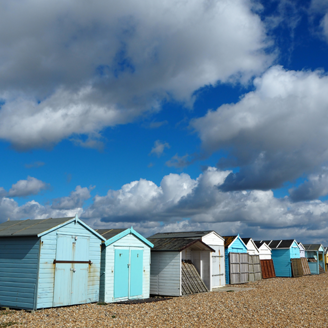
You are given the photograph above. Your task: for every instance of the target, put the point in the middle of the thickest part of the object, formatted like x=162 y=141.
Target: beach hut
x=236 y=260
x=315 y=256
x=125 y=265
x=302 y=250
x=178 y=266
x=266 y=261
x=264 y=250
x=283 y=254
x=216 y=278
x=254 y=267
x=48 y=263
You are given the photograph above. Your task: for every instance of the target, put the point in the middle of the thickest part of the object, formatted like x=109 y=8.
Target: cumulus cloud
x=84 y=68
x=182 y=203
x=159 y=147
x=31 y=210
x=274 y=134
x=23 y=188
x=75 y=200
x=315 y=187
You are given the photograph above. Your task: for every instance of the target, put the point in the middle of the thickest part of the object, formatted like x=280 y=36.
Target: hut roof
x=109 y=233
x=246 y=240
x=228 y=240
x=278 y=244
x=185 y=234
x=36 y=228
x=177 y=244
x=311 y=247
x=18 y=228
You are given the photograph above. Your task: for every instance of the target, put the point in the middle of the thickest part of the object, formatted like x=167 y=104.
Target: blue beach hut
x=125 y=265
x=236 y=260
x=282 y=253
x=315 y=255
x=48 y=263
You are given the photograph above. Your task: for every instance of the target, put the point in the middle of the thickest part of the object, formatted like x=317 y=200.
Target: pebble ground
x=279 y=302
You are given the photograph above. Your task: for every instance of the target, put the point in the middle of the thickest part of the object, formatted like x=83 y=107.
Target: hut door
x=136 y=273
x=71 y=270
x=128 y=273
x=218 y=268
x=121 y=274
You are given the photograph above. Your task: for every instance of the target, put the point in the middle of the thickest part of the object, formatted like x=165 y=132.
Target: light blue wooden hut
x=282 y=253
x=48 y=263
x=236 y=260
x=125 y=265
x=315 y=255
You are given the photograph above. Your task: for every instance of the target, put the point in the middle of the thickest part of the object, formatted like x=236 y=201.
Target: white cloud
x=182 y=203
x=75 y=200
x=31 y=186
x=159 y=147
x=67 y=68
x=275 y=133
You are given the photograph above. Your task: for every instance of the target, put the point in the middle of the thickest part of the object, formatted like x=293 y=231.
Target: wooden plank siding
x=107 y=268
x=297 y=269
x=19 y=258
x=165 y=273
x=47 y=268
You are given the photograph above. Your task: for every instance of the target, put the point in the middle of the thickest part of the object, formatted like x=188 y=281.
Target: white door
x=218 y=269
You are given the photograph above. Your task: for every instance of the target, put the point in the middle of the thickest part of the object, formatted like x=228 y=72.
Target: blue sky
x=167 y=116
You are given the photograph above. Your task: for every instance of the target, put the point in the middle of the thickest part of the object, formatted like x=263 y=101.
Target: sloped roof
x=37 y=228
x=19 y=228
x=246 y=240
x=185 y=234
x=228 y=240
x=258 y=243
x=109 y=233
x=279 y=244
x=112 y=235
x=176 y=244
x=312 y=247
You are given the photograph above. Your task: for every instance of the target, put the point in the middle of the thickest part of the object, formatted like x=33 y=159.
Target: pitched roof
x=177 y=244
x=19 y=228
x=228 y=240
x=37 y=228
x=311 y=247
x=109 y=233
x=258 y=243
x=279 y=244
x=246 y=240
x=186 y=234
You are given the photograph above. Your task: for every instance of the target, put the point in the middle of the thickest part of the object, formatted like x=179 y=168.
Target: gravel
x=279 y=302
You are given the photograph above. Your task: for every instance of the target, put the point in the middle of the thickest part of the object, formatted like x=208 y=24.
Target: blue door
x=136 y=273
x=128 y=273
x=121 y=273
x=71 y=278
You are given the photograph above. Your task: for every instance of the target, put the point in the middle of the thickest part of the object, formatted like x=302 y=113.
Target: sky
x=167 y=115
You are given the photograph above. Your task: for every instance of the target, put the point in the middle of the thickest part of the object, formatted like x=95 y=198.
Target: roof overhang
x=76 y=220
x=125 y=233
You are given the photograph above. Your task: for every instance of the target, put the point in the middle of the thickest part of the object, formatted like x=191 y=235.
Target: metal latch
x=72 y=269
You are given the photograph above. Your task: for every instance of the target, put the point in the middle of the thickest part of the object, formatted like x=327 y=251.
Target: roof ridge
x=31 y=225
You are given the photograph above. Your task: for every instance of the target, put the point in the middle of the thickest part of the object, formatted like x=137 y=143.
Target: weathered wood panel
x=192 y=283
x=267 y=268
x=297 y=268
x=305 y=266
